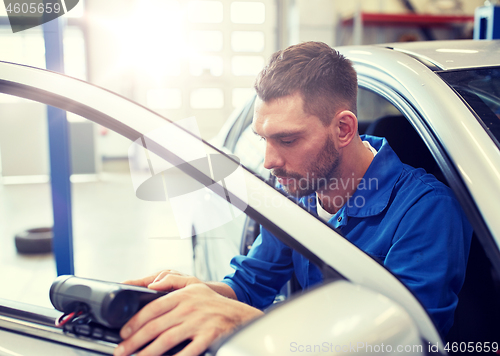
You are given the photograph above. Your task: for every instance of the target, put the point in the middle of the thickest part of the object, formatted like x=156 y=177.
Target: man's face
x=300 y=150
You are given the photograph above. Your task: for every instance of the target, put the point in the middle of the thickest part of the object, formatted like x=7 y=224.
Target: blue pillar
x=60 y=167
x=487 y=23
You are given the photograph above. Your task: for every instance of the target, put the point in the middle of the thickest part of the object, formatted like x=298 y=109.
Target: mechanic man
x=408 y=220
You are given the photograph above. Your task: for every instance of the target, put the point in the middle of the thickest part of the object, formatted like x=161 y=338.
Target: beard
x=322 y=168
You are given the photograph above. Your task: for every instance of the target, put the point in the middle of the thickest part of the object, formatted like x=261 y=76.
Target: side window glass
x=247 y=146
x=371 y=107
x=245 y=118
x=251 y=149
x=378 y=117
x=480 y=88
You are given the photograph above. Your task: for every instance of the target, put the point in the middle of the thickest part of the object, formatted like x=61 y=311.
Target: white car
x=361 y=307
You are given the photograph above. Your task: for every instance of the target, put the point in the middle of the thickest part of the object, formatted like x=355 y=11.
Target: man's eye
x=287 y=142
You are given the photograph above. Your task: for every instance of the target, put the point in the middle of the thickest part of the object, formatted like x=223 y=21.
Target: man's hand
x=154 y=278
x=194 y=310
x=169 y=280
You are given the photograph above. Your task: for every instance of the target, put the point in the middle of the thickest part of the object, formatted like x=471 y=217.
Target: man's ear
x=347 y=126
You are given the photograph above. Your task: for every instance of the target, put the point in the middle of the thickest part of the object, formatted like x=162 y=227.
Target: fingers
x=176 y=335
x=151 y=311
x=146 y=281
x=146 y=325
x=195 y=312
x=167 y=272
x=197 y=346
x=149 y=332
x=171 y=338
x=170 y=281
x=143 y=282
x=166 y=341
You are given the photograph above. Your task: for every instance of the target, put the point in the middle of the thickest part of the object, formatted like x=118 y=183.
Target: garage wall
x=24 y=152
x=23 y=138
x=321 y=19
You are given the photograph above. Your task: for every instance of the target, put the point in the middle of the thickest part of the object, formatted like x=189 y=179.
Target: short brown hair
x=326 y=79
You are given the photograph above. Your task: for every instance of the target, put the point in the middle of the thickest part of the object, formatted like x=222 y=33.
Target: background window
x=206 y=40
x=24 y=48
x=247 y=41
x=207 y=98
x=74 y=53
x=241 y=96
x=247 y=65
x=164 y=98
x=205 y=11
x=206 y=65
x=248 y=12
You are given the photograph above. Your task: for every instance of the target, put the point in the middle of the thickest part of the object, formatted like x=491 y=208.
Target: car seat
x=406 y=142
x=362 y=126
x=478 y=312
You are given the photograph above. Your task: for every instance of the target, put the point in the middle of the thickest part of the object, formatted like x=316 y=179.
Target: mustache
x=284 y=174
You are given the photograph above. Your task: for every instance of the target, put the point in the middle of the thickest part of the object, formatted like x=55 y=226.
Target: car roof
x=449 y=55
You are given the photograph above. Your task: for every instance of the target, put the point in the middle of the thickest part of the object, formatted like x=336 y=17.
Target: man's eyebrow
x=280 y=134
x=283 y=134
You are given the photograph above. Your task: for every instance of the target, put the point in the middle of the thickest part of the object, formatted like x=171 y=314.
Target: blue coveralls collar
x=376 y=186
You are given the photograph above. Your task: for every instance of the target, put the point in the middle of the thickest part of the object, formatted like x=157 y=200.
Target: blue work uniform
x=401 y=216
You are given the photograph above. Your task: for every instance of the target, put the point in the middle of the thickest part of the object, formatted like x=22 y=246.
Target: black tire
x=32 y=241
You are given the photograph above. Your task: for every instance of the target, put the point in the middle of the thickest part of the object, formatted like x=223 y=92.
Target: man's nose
x=272 y=158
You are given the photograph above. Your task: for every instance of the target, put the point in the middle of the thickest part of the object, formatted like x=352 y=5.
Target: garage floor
x=116 y=236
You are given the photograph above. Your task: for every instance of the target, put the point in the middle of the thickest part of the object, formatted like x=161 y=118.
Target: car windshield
x=480 y=88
